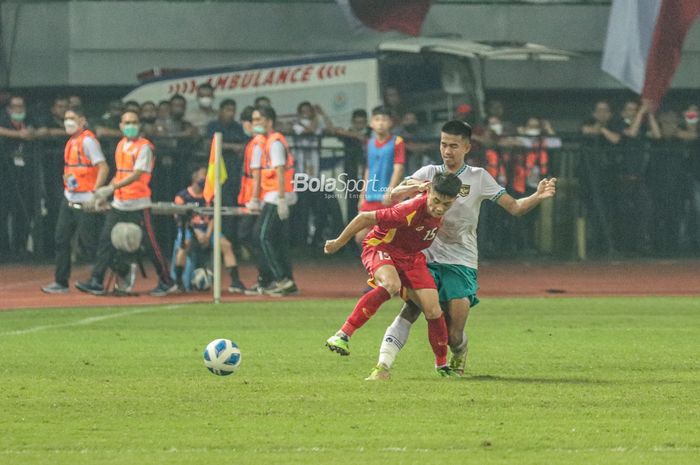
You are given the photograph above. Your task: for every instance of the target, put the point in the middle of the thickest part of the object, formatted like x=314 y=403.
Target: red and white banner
x=644 y=41
x=405 y=16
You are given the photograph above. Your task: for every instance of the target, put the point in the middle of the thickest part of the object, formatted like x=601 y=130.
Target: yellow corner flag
x=223 y=175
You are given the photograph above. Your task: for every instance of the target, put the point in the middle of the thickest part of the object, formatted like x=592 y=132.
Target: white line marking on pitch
x=88 y=321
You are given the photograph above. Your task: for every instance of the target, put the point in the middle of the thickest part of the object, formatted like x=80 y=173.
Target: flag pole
x=217 y=218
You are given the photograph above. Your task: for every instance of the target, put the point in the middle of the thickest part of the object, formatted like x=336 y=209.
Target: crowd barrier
x=641 y=200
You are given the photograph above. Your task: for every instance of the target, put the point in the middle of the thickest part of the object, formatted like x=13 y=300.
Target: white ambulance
x=431 y=74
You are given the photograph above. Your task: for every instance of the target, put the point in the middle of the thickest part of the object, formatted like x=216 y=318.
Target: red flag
x=405 y=16
x=674 y=20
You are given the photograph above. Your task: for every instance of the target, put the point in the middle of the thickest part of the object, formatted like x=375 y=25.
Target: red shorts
x=366 y=206
x=413 y=270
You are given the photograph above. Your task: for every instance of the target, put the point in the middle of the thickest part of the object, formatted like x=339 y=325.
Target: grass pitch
x=551 y=381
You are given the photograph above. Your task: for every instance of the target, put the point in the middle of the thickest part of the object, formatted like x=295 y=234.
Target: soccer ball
x=222 y=357
x=202 y=278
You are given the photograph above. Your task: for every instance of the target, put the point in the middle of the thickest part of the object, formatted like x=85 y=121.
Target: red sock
x=365 y=308
x=437 y=334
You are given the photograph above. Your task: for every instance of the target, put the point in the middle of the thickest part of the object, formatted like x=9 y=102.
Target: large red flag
x=644 y=41
x=672 y=24
x=405 y=16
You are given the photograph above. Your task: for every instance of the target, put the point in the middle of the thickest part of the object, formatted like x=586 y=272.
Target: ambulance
x=431 y=74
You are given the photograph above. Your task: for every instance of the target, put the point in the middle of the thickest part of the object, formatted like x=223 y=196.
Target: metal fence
x=639 y=201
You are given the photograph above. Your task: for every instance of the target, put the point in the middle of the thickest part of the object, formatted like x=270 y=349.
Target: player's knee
x=410 y=312
x=433 y=312
x=454 y=337
x=391 y=286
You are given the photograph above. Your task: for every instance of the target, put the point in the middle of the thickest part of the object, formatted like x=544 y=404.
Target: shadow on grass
x=533 y=380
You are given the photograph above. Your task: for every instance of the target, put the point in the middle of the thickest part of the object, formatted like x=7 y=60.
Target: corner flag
x=211 y=176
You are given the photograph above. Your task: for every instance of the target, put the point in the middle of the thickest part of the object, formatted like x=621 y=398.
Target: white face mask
x=205 y=102
x=497 y=128
x=532 y=132
x=71 y=126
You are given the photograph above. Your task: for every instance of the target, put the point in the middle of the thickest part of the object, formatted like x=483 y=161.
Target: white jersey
x=456 y=239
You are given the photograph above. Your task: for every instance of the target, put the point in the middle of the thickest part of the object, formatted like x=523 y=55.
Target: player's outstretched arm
x=362 y=221
x=546 y=189
x=408 y=188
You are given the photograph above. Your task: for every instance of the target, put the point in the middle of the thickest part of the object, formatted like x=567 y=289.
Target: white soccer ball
x=222 y=357
x=202 y=279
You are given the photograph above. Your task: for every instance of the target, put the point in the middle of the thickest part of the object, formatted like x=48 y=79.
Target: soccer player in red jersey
x=391 y=254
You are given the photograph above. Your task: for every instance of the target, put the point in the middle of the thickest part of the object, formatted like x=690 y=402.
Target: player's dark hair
x=178 y=97
x=79 y=111
x=456 y=127
x=247 y=113
x=303 y=104
x=267 y=112
x=227 y=102
x=381 y=110
x=195 y=173
x=359 y=113
x=447 y=184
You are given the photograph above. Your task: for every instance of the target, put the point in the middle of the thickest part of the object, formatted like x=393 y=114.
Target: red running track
x=20 y=284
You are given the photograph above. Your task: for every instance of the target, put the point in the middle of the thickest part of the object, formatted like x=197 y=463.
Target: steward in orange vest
x=84 y=171
x=247 y=179
x=79 y=173
x=132 y=199
x=268 y=173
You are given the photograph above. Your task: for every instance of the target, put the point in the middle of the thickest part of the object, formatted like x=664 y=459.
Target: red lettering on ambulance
x=269 y=78
x=221 y=82
x=247 y=78
x=307 y=73
x=282 y=76
x=234 y=81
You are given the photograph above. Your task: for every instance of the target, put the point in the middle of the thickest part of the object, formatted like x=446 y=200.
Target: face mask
x=71 y=126
x=497 y=129
x=205 y=102
x=18 y=116
x=411 y=127
x=131 y=130
x=259 y=129
x=148 y=119
x=691 y=117
x=532 y=132
x=201 y=182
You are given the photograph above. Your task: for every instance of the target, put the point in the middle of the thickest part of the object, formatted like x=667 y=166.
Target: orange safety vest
x=76 y=163
x=247 y=182
x=496 y=166
x=126 y=159
x=268 y=174
x=533 y=163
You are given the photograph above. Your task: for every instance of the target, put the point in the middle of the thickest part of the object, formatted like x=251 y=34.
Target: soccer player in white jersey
x=452 y=258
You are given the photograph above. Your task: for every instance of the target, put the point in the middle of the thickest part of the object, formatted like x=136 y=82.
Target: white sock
x=463 y=346
x=395 y=338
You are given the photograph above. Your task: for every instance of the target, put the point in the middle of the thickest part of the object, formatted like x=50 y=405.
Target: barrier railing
x=629 y=199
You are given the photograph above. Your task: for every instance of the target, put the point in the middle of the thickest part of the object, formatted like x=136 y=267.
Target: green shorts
x=455 y=282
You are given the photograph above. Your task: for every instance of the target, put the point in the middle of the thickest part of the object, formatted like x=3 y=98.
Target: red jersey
x=404 y=229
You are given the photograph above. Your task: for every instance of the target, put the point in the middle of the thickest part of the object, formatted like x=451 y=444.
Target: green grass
x=552 y=381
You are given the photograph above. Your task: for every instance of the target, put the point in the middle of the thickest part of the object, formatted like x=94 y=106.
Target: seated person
x=201 y=228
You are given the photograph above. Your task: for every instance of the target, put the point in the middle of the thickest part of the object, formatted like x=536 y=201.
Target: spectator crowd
x=635 y=178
